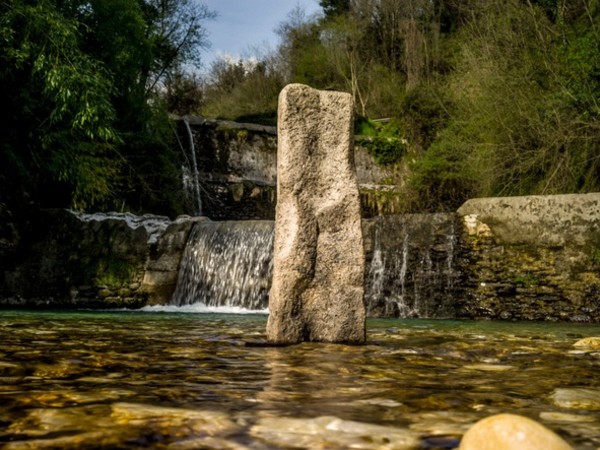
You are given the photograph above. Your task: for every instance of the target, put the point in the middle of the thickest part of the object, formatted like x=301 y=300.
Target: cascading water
x=193 y=176
x=376 y=274
x=227 y=264
x=411 y=265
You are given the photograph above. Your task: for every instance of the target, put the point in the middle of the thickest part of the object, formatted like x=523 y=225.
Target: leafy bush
x=384 y=141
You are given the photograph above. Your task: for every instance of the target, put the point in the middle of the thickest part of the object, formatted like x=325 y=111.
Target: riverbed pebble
x=172 y=421
x=576 y=398
x=511 y=432
x=588 y=343
x=332 y=433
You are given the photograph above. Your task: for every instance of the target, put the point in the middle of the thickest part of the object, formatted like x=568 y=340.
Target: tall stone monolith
x=317 y=291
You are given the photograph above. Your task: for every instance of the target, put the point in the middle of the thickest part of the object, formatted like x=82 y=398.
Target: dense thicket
x=82 y=124
x=485 y=97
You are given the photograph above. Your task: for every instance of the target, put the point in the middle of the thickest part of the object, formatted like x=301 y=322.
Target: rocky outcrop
x=163 y=261
x=317 y=290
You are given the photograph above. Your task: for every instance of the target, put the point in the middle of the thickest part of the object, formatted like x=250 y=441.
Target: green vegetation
x=526 y=280
x=483 y=97
x=114 y=273
x=385 y=141
x=595 y=256
x=84 y=126
x=486 y=97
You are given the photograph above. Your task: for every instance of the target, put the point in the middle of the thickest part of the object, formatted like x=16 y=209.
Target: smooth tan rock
x=317 y=291
x=545 y=220
x=576 y=398
x=588 y=343
x=511 y=432
x=332 y=433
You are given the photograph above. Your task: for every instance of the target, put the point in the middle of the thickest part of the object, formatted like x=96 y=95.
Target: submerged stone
x=511 y=432
x=576 y=398
x=588 y=343
x=332 y=433
x=173 y=421
x=317 y=290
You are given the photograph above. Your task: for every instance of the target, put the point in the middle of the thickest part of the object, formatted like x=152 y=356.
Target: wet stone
x=567 y=418
x=332 y=433
x=175 y=420
x=577 y=398
x=588 y=343
x=103 y=293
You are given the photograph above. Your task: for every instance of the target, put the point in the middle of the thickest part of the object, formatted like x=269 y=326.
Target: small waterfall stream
x=194 y=176
x=411 y=265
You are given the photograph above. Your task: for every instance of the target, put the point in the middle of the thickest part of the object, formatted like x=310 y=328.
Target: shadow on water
x=173 y=380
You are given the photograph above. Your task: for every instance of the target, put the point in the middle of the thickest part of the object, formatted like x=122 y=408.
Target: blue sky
x=243 y=24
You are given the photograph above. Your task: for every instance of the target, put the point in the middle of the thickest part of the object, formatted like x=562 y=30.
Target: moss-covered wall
x=519 y=258
x=94 y=261
x=532 y=258
x=237 y=164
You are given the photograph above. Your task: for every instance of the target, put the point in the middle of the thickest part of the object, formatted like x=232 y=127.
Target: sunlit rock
x=173 y=421
x=577 y=398
x=317 y=290
x=333 y=433
x=43 y=421
x=588 y=343
x=553 y=416
x=86 y=439
x=511 y=432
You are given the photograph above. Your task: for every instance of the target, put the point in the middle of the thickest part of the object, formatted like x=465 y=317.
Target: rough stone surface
x=238 y=171
x=162 y=267
x=317 y=291
x=532 y=258
x=550 y=220
x=511 y=432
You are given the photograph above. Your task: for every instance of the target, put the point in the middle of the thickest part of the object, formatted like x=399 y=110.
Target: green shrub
x=384 y=141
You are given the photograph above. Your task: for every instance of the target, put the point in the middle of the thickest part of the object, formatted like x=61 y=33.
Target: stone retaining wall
x=237 y=164
x=518 y=258
x=95 y=261
x=532 y=258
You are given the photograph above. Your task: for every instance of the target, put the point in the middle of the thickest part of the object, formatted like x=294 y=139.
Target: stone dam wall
x=518 y=258
x=532 y=258
x=237 y=165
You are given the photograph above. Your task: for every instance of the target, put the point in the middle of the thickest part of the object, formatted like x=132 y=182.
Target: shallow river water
x=87 y=380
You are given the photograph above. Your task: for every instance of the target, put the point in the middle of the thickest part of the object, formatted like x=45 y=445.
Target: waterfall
x=375 y=294
x=227 y=264
x=194 y=175
x=411 y=268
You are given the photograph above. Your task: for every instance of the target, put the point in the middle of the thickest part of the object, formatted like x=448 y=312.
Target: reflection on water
x=158 y=380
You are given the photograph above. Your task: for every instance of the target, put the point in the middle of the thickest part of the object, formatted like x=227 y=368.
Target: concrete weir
x=317 y=290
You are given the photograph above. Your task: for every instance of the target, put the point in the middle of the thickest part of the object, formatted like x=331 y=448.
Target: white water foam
x=154 y=225
x=202 y=308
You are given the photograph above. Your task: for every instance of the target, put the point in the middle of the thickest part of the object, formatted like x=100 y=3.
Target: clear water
x=173 y=380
